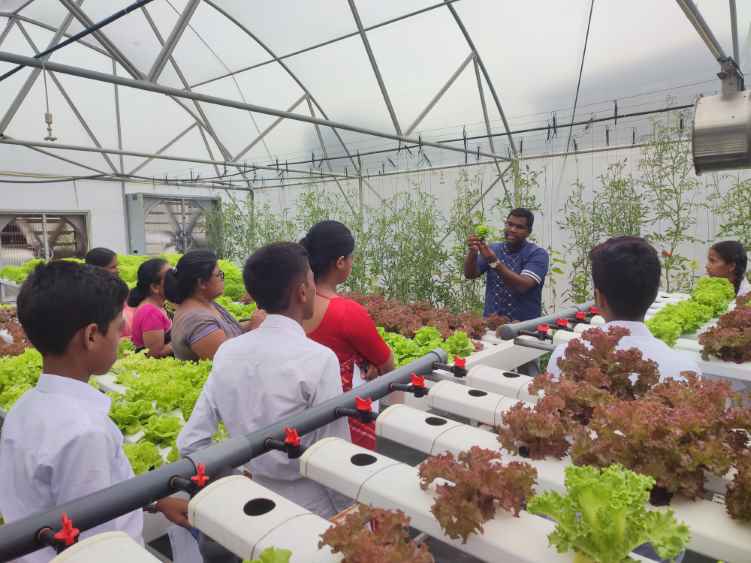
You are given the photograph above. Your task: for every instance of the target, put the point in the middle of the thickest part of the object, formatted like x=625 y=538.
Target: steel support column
x=374 y=64
x=328 y=163
x=268 y=130
x=169 y=46
x=26 y=88
x=702 y=28
x=179 y=136
x=734 y=32
x=178 y=93
x=440 y=94
x=28 y=143
x=99 y=35
x=485 y=73
x=70 y=102
x=53 y=29
x=276 y=59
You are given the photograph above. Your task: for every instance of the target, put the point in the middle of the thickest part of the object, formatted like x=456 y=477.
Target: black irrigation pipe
x=80 y=35
x=22 y=537
x=512 y=330
x=590 y=121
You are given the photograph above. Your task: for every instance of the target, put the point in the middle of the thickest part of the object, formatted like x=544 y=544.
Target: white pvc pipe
x=506 y=383
x=408 y=426
x=388 y=484
x=469 y=402
x=713 y=532
x=112 y=547
x=247 y=518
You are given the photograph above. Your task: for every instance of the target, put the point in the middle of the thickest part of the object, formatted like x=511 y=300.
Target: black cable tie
x=576 y=147
x=547 y=138
x=286 y=165
x=680 y=123
x=633 y=136
x=607 y=136
x=555 y=125
x=277 y=164
x=521 y=145
x=615 y=112
x=478 y=153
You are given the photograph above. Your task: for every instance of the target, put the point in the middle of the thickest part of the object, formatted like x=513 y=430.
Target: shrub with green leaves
x=602 y=517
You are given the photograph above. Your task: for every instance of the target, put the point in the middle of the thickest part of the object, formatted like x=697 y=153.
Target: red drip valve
x=67 y=533
x=291 y=437
x=563 y=323
x=543 y=328
x=417 y=381
x=200 y=478
x=363 y=405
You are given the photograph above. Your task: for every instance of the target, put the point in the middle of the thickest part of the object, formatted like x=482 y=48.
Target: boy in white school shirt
x=58 y=442
x=271 y=373
x=626 y=277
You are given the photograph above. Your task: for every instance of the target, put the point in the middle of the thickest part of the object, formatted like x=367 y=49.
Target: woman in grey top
x=200 y=324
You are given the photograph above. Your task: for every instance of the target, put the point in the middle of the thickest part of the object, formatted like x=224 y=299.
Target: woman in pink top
x=151 y=325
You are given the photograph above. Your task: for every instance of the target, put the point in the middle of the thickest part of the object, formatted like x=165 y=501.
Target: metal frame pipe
x=178 y=93
x=88 y=31
x=512 y=330
x=21 y=537
x=702 y=28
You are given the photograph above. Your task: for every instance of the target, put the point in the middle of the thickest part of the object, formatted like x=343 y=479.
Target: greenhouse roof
x=238 y=92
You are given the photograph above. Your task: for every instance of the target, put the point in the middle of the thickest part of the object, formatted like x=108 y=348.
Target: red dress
x=347 y=329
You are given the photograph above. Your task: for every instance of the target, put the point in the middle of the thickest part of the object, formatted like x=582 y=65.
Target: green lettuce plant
x=602 y=517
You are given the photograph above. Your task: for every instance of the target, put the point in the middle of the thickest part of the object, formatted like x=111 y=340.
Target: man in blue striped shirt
x=516 y=269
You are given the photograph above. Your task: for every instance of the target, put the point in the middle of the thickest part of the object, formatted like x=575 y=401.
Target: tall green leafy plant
x=578 y=222
x=671 y=190
x=734 y=208
x=467 y=210
x=619 y=208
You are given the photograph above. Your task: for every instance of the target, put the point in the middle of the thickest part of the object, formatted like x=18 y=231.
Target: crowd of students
x=306 y=345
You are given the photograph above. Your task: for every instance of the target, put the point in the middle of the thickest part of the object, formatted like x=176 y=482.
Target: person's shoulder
x=352 y=307
x=533 y=249
x=313 y=349
x=64 y=424
x=242 y=345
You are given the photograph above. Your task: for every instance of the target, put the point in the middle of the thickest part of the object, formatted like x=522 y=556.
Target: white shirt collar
x=636 y=328
x=57 y=384
x=284 y=323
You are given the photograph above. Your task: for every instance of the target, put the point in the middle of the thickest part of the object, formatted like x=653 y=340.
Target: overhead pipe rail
x=27 y=535
x=513 y=330
x=87 y=31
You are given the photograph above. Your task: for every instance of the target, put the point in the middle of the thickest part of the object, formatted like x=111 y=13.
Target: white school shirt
x=259 y=378
x=670 y=362
x=58 y=443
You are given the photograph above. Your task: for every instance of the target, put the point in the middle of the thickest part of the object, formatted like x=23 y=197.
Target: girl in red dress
x=340 y=323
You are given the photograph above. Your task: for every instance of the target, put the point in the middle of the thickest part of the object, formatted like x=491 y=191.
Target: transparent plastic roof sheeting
x=310 y=56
